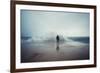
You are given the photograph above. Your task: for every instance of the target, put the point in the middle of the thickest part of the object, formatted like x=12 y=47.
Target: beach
x=49 y=51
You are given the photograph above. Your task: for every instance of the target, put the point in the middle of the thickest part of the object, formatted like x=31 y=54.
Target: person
x=57 y=38
x=57 y=41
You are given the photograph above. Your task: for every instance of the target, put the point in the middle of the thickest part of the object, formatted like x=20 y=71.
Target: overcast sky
x=44 y=23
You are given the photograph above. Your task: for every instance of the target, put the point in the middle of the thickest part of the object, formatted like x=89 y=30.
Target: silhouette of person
x=57 y=38
x=57 y=41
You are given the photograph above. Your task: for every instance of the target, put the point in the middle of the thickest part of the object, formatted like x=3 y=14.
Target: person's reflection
x=57 y=42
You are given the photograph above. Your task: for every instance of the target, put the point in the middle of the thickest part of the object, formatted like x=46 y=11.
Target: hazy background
x=49 y=23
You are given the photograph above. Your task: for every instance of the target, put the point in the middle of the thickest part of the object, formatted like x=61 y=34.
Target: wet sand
x=49 y=51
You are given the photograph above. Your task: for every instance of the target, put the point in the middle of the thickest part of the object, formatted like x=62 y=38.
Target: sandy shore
x=41 y=52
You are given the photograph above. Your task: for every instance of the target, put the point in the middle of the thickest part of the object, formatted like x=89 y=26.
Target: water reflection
x=57 y=48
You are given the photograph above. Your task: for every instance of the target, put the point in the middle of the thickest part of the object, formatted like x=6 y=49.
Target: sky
x=37 y=23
